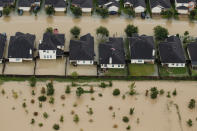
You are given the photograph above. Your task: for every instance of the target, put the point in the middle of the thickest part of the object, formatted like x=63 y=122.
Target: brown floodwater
x=149 y=115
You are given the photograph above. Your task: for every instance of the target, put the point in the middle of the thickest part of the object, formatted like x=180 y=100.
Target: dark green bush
x=42 y=98
x=125 y=119
x=56 y=127
x=116 y=92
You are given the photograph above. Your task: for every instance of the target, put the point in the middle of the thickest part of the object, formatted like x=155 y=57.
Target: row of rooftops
x=141 y=47
x=89 y=3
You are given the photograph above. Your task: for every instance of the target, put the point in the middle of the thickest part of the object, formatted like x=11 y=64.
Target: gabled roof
x=20 y=45
x=82 y=49
x=51 y=41
x=162 y=3
x=56 y=3
x=142 y=47
x=83 y=3
x=171 y=51
x=3 y=39
x=5 y=2
x=136 y=3
x=192 y=49
x=112 y=49
x=25 y=3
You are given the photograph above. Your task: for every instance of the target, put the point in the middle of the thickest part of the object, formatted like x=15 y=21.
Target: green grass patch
x=194 y=72
x=116 y=72
x=142 y=69
x=173 y=71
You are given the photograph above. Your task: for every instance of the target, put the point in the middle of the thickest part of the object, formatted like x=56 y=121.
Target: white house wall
x=141 y=61
x=15 y=59
x=156 y=10
x=86 y=10
x=60 y=9
x=139 y=9
x=113 y=8
x=174 y=64
x=47 y=54
x=25 y=8
x=83 y=62
x=112 y=65
x=1 y=8
x=183 y=11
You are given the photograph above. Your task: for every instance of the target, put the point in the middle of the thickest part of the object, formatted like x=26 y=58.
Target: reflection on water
x=49 y=19
x=7 y=18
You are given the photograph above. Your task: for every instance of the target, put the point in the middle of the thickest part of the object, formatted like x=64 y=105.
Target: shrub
x=32 y=121
x=51 y=100
x=24 y=105
x=50 y=10
x=40 y=124
x=154 y=92
x=174 y=93
x=130 y=12
x=32 y=81
x=56 y=127
x=189 y=123
x=45 y=115
x=50 y=89
x=49 y=29
x=6 y=10
x=103 y=31
x=160 y=33
x=103 y=12
x=61 y=118
x=74 y=75
x=33 y=93
x=110 y=84
x=161 y=92
x=116 y=92
x=67 y=91
x=132 y=89
x=90 y=111
x=130 y=30
x=79 y=91
x=131 y=111
x=75 y=31
x=168 y=95
x=128 y=127
x=192 y=104
x=42 y=98
x=125 y=119
x=76 y=118
x=103 y=85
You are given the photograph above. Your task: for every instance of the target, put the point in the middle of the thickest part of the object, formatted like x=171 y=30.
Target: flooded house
x=52 y=46
x=3 y=39
x=138 y=6
x=184 y=6
x=21 y=47
x=85 y=5
x=192 y=49
x=26 y=5
x=111 y=53
x=157 y=6
x=59 y=5
x=111 y=5
x=142 y=49
x=81 y=52
x=171 y=52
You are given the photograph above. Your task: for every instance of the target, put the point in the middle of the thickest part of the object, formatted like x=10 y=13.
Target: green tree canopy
x=103 y=31
x=75 y=31
x=160 y=33
x=50 y=10
x=130 y=30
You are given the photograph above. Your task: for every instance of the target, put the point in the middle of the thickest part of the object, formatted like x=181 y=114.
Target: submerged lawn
x=142 y=70
x=173 y=71
x=116 y=72
x=194 y=72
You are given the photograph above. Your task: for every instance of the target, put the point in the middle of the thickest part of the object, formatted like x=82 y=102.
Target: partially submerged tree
x=76 y=11
x=130 y=30
x=160 y=33
x=75 y=31
x=103 y=12
x=103 y=31
x=6 y=10
x=129 y=11
x=50 y=10
x=49 y=29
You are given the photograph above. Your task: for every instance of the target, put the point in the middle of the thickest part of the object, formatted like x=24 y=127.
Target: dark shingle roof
x=192 y=49
x=25 y=3
x=136 y=3
x=114 y=49
x=20 y=45
x=171 y=51
x=5 y=2
x=83 y=3
x=51 y=41
x=82 y=49
x=162 y=3
x=184 y=1
x=3 y=39
x=56 y=3
x=142 y=47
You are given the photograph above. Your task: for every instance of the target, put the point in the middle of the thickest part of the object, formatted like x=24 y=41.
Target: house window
x=84 y=62
x=177 y=64
x=112 y=65
x=90 y=62
x=139 y=60
x=44 y=51
x=50 y=56
x=44 y=56
x=118 y=65
x=47 y=51
x=47 y=56
x=105 y=65
x=53 y=51
x=17 y=59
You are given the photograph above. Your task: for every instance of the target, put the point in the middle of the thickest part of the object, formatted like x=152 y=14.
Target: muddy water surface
x=149 y=115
